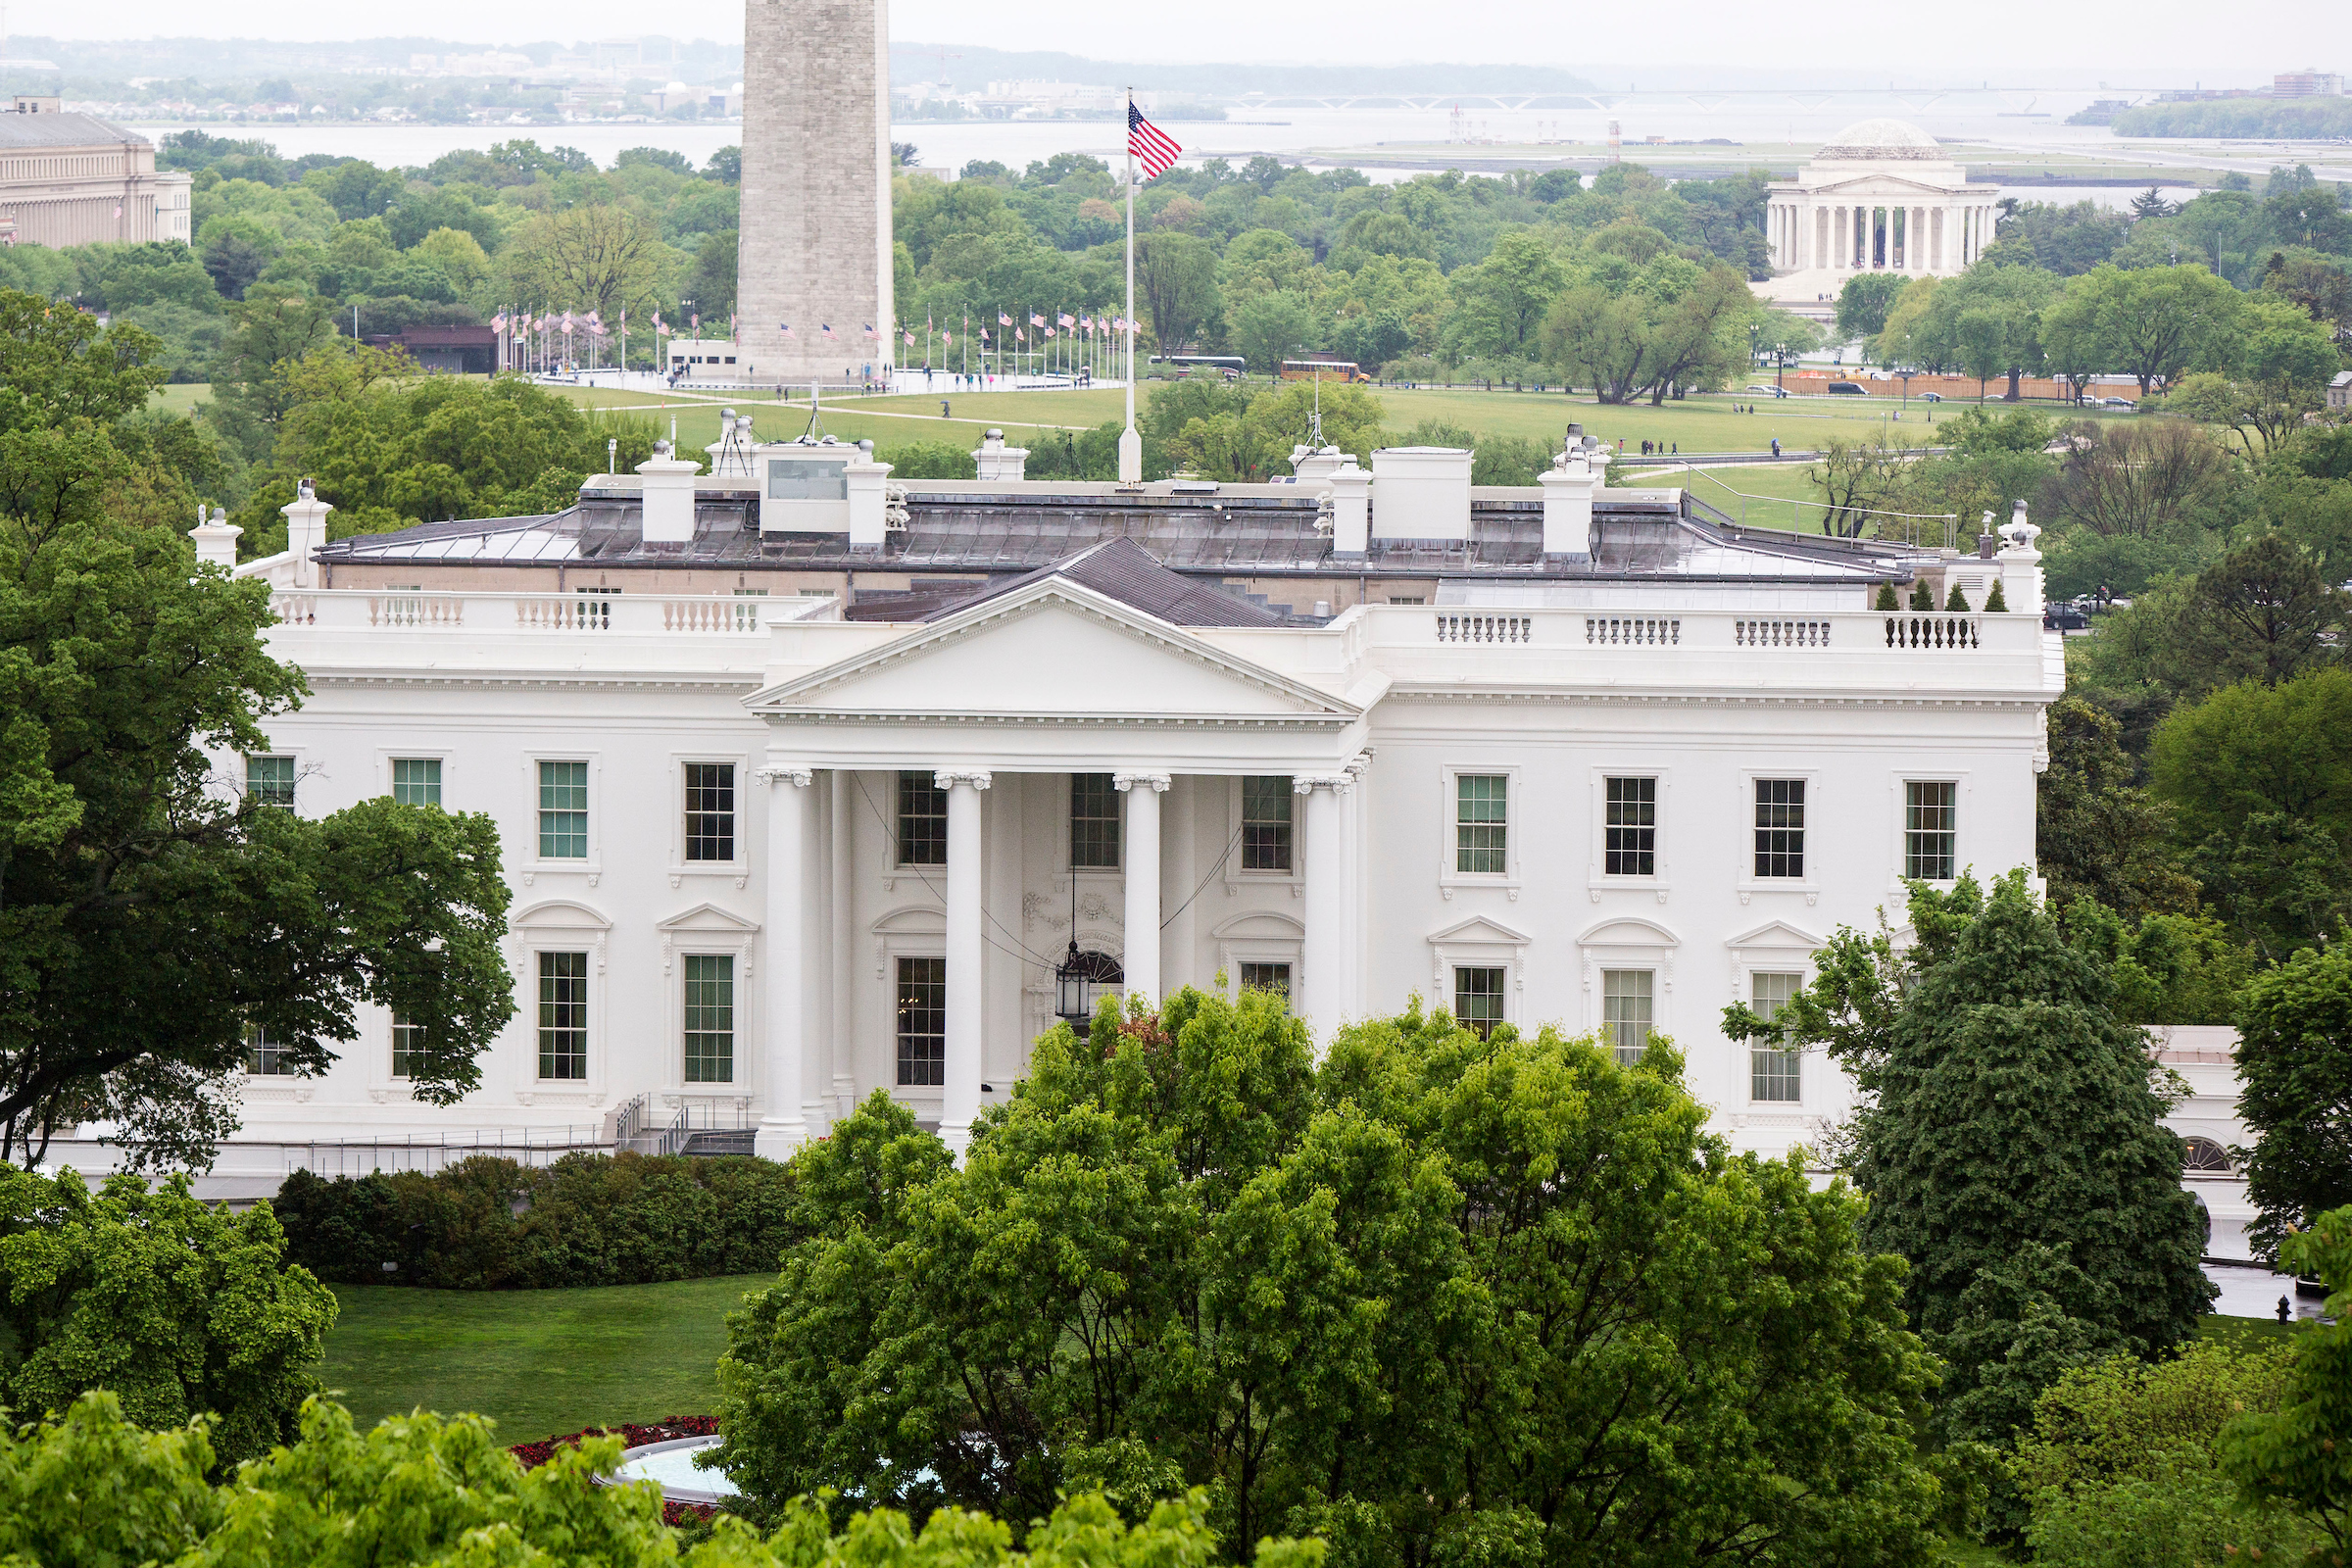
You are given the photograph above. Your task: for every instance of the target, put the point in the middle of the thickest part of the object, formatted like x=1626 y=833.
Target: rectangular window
x=269 y=780
x=1632 y=845
x=563 y=810
x=922 y=1021
x=263 y=1056
x=922 y=820
x=1274 y=977
x=1478 y=1000
x=563 y=1015
x=1094 y=821
x=408 y=1046
x=1266 y=824
x=1773 y=1073
x=417 y=780
x=1625 y=1001
x=1481 y=823
x=710 y=1019
x=1930 y=819
x=1781 y=827
x=709 y=811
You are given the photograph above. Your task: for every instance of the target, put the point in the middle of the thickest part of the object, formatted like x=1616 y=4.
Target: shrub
x=176 y=1308
x=588 y=1220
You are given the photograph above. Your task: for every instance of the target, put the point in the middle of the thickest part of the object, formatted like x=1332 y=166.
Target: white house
x=773 y=847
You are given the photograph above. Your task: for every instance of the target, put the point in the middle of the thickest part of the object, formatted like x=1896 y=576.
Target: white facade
x=1449 y=771
x=1880 y=196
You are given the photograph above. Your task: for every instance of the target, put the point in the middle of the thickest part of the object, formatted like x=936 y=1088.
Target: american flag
x=910 y=339
x=1148 y=145
x=1067 y=319
x=872 y=336
x=983 y=334
x=946 y=339
x=1036 y=320
x=787 y=329
x=1002 y=319
x=497 y=322
x=826 y=330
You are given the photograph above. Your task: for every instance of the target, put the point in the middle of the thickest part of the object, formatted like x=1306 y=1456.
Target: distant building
x=1880 y=196
x=2306 y=84
x=2339 y=391
x=446 y=350
x=73 y=179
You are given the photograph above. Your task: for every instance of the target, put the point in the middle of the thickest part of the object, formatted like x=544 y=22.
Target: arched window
x=1083 y=980
x=2204 y=1156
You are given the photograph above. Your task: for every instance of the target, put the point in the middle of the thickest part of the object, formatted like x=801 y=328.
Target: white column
x=784 y=1126
x=841 y=1014
x=1915 y=243
x=967 y=956
x=1321 y=991
x=1141 y=852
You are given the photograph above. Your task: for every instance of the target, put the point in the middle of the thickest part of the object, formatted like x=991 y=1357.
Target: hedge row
x=489 y=1224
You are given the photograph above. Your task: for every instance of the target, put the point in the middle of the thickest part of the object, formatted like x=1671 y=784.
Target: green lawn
x=538 y=1362
x=182 y=398
x=2242 y=1333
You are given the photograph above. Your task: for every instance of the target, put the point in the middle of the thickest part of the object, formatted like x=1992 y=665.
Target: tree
x=2301 y=1453
x=2137 y=479
x=1672 y=325
x=1432 y=1296
x=2295 y=1065
x=1176 y=277
x=2033 y=1244
x=430 y=1492
x=606 y=259
x=151 y=917
x=1864 y=301
x=58 y=365
x=2097 y=834
x=2153 y=322
x=2263 y=611
x=1988 y=321
x=2260 y=778
x=176 y=1308
x=1272 y=328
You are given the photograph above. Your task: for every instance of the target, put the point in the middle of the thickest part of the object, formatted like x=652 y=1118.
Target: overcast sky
x=2150 y=40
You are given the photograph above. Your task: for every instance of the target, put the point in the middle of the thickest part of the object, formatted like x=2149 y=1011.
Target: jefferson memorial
x=1879 y=197
x=813 y=783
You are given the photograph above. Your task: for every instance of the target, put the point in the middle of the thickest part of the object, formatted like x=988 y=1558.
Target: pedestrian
x=942 y=408
x=1678 y=449
x=1776 y=446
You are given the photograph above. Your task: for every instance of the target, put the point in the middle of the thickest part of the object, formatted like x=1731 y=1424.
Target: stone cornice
x=1717 y=699
x=1276 y=722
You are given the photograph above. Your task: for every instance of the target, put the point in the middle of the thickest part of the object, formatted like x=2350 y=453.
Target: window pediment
x=559 y=913
x=708 y=917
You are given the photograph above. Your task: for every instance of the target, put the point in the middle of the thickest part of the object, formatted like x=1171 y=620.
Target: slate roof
x=1116 y=569
x=965 y=528
x=62 y=130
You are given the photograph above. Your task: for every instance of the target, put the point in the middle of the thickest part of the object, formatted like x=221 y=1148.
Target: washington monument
x=814 y=254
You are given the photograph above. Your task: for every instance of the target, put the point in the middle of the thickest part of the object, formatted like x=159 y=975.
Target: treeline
x=2286 y=119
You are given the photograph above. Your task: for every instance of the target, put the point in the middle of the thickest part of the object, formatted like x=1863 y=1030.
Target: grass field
x=537 y=1362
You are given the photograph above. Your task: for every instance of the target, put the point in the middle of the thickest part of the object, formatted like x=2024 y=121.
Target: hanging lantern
x=1080 y=982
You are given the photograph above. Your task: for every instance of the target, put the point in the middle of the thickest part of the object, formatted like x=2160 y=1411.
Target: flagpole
x=1131 y=445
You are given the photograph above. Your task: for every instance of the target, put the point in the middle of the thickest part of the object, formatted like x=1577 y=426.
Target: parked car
x=1850 y=389
x=2117 y=403
x=1763 y=391
x=1931 y=397
x=2065 y=616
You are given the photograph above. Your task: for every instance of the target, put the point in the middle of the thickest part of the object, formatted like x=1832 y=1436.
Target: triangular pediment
x=707 y=917
x=1057 y=650
x=1775 y=934
x=1885 y=181
x=1479 y=928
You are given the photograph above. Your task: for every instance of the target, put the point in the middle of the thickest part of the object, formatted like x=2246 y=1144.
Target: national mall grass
x=537 y=1362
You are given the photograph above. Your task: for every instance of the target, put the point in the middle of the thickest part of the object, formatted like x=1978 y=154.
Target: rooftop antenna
x=1314 y=420
x=816 y=424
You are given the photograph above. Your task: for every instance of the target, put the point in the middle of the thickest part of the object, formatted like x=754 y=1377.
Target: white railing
x=1630 y=630
x=1485 y=628
x=1927 y=630
x=1780 y=634
x=426 y=611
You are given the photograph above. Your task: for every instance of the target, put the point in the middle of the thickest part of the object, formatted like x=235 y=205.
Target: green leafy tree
x=176 y=1308
x=1176 y=279
x=1272 y=327
x=2294 y=1063
x=2097 y=834
x=1864 y=301
x=1432 y=1296
x=2300 y=1454
x=2035 y=1241
x=2154 y=323
x=2263 y=612
x=57 y=365
x=153 y=917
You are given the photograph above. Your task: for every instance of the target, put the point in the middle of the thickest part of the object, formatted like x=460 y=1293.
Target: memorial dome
x=1876 y=141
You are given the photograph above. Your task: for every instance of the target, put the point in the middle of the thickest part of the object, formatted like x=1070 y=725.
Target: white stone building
x=808 y=784
x=73 y=179
x=1880 y=196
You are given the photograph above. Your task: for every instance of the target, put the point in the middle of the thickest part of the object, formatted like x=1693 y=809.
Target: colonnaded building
x=1880 y=196
x=813 y=783
x=73 y=179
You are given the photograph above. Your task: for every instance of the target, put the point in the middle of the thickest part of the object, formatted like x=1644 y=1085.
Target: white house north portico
x=1582 y=756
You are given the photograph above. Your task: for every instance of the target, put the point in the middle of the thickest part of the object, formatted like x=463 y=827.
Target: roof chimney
x=996 y=460
x=216 y=540
x=306 y=532
x=668 y=505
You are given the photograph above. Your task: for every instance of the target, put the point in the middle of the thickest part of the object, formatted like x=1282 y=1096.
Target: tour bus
x=1330 y=370
x=1231 y=364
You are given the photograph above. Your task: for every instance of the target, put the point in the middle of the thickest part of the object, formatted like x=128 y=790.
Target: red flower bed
x=632 y=1435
